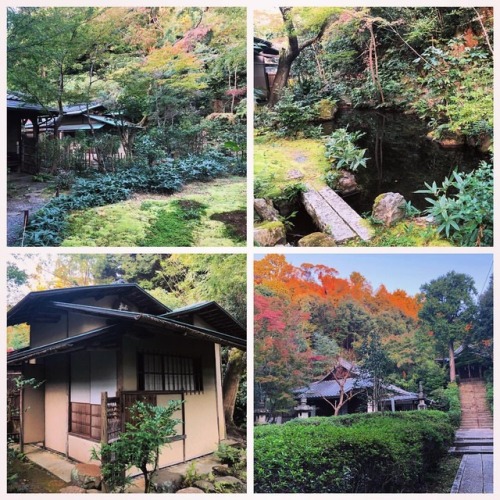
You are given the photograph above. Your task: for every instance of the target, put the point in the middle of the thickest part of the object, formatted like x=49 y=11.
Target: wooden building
x=265 y=61
x=348 y=382
x=21 y=146
x=98 y=349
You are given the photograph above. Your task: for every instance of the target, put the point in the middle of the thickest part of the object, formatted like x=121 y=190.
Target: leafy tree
x=375 y=364
x=150 y=428
x=483 y=328
x=322 y=18
x=447 y=310
x=45 y=47
x=282 y=353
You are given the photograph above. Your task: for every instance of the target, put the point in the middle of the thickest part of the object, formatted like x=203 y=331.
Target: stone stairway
x=475 y=435
x=475 y=411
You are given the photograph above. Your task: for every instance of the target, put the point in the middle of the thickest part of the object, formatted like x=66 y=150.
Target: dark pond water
x=401 y=157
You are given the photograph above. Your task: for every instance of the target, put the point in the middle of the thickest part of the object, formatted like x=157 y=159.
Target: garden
x=141 y=125
x=371 y=101
x=359 y=385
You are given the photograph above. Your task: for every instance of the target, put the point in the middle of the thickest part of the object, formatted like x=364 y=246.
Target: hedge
x=362 y=453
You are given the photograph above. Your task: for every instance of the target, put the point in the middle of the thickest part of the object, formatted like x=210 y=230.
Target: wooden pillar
x=21 y=420
x=104 y=417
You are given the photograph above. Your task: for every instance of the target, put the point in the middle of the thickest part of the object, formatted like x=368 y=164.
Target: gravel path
x=23 y=194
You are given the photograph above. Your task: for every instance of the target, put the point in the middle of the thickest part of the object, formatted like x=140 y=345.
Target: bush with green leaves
x=149 y=429
x=448 y=399
x=342 y=151
x=362 y=453
x=289 y=117
x=458 y=95
x=462 y=206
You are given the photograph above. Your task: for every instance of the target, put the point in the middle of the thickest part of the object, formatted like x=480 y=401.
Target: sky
x=404 y=271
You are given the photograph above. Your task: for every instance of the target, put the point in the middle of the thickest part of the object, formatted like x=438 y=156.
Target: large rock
x=165 y=481
x=191 y=489
x=265 y=209
x=326 y=110
x=389 y=208
x=316 y=240
x=270 y=234
x=221 y=470
x=229 y=483
x=87 y=476
x=204 y=485
x=347 y=183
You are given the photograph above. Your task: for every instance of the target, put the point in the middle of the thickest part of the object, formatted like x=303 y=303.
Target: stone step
x=473 y=442
x=327 y=220
x=334 y=216
x=354 y=220
x=471 y=450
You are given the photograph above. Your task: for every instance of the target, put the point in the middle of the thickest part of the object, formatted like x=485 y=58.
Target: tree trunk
x=234 y=370
x=453 y=373
x=288 y=55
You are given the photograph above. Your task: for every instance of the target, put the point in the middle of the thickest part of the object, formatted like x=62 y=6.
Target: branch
x=485 y=33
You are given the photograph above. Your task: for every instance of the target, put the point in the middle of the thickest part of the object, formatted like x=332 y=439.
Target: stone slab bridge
x=332 y=215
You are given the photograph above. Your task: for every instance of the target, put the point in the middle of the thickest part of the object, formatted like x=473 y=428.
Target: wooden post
x=104 y=417
x=21 y=420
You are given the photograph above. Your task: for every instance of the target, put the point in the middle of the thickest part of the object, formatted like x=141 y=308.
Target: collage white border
x=249 y=250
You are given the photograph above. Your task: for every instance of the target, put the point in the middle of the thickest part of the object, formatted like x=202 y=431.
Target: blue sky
x=405 y=271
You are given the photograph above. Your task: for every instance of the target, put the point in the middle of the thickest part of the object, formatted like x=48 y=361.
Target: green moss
x=406 y=233
x=275 y=158
x=159 y=221
x=269 y=225
x=175 y=224
x=120 y=224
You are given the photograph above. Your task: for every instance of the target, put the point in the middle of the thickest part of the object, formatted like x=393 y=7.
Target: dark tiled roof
x=36 y=302
x=16 y=101
x=213 y=314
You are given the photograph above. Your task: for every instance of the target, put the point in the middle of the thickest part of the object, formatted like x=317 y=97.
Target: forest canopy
x=308 y=317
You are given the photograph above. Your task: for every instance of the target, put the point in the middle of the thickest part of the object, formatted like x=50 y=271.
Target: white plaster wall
x=34 y=405
x=102 y=375
x=80 y=377
x=56 y=403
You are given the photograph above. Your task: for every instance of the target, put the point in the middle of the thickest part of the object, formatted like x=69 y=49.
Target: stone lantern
x=261 y=413
x=421 y=398
x=303 y=409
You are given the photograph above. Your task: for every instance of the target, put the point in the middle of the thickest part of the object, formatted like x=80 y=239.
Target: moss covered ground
x=275 y=158
x=188 y=218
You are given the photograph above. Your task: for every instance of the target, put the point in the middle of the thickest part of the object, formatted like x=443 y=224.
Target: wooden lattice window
x=164 y=373
x=86 y=420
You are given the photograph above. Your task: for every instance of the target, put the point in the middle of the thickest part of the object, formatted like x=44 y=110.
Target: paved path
x=58 y=465
x=475 y=474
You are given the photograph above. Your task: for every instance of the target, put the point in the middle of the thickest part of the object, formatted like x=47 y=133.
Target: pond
x=401 y=158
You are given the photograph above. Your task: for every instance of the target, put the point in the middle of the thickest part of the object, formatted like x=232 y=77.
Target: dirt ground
x=23 y=194
x=235 y=221
x=33 y=479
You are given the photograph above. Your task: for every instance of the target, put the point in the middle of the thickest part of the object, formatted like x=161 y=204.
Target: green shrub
x=462 y=206
x=229 y=455
x=362 y=453
x=342 y=152
x=448 y=400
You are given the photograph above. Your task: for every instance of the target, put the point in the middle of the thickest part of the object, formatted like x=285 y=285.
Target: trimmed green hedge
x=362 y=453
